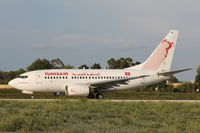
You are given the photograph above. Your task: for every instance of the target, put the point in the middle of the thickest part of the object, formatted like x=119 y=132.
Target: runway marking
x=107 y=100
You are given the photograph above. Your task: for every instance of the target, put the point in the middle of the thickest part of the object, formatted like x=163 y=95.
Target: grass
x=97 y=116
x=153 y=95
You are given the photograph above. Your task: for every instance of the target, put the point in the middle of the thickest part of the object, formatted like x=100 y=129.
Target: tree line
x=40 y=64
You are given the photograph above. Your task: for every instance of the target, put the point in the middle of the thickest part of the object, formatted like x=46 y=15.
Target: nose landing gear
x=32 y=97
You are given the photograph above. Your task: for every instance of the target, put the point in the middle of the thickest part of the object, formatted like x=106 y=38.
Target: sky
x=93 y=31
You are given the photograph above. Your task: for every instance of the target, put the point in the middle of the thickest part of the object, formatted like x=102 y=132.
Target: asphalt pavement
x=108 y=100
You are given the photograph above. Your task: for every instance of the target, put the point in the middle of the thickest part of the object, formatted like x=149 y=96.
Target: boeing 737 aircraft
x=92 y=83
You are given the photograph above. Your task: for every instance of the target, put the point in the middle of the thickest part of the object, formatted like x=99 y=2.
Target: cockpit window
x=22 y=77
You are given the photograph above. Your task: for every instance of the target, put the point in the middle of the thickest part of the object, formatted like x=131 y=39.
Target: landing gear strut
x=32 y=97
x=91 y=96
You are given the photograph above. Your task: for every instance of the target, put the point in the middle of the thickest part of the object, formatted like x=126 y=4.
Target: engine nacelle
x=77 y=90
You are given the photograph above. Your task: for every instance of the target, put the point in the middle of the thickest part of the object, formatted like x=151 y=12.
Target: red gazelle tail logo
x=170 y=44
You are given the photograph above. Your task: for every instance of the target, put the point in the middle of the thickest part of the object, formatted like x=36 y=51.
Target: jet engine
x=77 y=90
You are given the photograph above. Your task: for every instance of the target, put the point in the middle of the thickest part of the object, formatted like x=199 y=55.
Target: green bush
x=186 y=87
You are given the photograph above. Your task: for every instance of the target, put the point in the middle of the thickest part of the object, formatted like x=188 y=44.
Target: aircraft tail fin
x=161 y=58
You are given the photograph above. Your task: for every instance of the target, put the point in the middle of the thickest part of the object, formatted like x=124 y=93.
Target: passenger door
x=39 y=78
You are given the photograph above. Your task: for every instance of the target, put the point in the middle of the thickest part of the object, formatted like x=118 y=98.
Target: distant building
x=175 y=85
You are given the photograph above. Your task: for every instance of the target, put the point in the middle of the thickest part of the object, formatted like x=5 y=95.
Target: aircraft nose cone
x=11 y=83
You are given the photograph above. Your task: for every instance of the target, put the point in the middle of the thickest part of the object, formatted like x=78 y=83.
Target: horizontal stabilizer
x=173 y=72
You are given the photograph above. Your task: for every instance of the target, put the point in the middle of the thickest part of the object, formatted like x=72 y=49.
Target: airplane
x=94 y=82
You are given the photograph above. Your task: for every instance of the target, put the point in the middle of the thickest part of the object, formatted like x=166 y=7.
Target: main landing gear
x=98 y=96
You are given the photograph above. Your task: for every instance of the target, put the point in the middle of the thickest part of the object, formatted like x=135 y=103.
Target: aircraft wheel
x=91 y=96
x=99 y=96
x=32 y=97
x=56 y=93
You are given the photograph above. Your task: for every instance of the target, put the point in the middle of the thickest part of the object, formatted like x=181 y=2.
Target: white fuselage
x=56 y=80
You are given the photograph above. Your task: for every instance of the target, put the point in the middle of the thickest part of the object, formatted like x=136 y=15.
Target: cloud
x=5 y=46
x=68 y=37
x=41 y=45
x=77 y=41
x=90 y=28
x=16 y=31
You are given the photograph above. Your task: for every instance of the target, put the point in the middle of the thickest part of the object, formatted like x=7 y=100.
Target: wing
x=115 y=82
